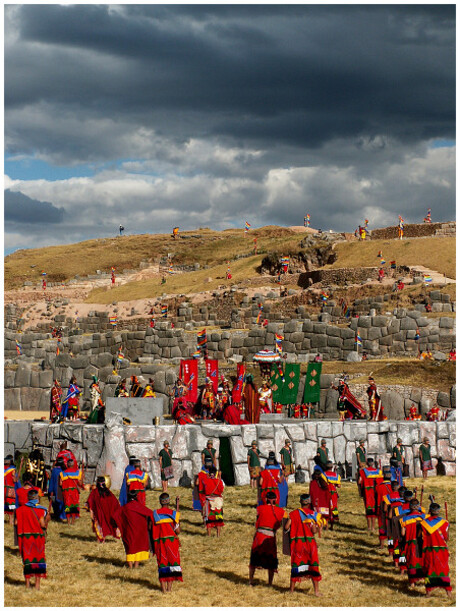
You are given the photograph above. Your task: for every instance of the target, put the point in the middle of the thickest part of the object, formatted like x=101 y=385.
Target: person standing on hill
x=166 y=469
x=425 y=457
x=264 y=554
x=254 y=464
x=304 y=550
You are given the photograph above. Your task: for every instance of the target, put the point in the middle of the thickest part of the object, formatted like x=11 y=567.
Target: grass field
x=355 y=571
x=437 y=254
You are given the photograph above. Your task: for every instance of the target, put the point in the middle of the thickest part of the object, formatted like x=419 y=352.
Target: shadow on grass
x=101 y=560
x=14 y=582
x=374 y=576
x=11 y=550
x=136 y=581
x=239 y=580
x=79 y=537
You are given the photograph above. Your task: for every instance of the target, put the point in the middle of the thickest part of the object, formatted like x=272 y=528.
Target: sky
x=155 y=116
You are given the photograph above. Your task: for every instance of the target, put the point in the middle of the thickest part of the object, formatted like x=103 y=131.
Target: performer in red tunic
x=304 y=551
x=435 y=552
x=251 y=401
x=382 y=489
x=369 y=478
x=375 y=404
x=22 y=493
x=137 y=480
x=103 y=505
x=181 y=414
x=213 y=512
x=55 y=401
x=333 y=481
x=269 y=480
x=388 y=500
x=66 y=454
x=166 y=542
x=9 y=487
x=71 y=481
x=31 y=521
x=320 y=494
x=412 y=534
x=263 y=552
x=134 y=520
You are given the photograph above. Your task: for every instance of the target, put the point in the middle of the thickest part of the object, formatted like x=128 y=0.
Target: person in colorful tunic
x=333 y=480
x=369 y=478
x=213 y=511
x=322 y=455
x=396 y=471
x=286 y=459
x=208 y=401
x=382 y=490
x=97 y=414
x=321 y=498
x=270 y=479
x=55 y=490
x=10 y=482
x=121 y=390
x=398 y=453
x=55 y=401
x=65 y=454
x=209 y=452
x=71 y=404
x=375 y=404
x=123 y=496
x=304 y=550
x=251 y=400
x=393 y=497
x=70 y=481
x=198 y=489
x=166 y=469
x=31 y=521
x=166 y=544
x=412 y=534
x=134 y=521
x=435 y=551
x=136 y=479
x=264 y=553
x=398 y=510
x=265 y=398
x=23 y=491
x=35 y=465
x=434 y=414
x=181 y=414
x=254 y=464
x=424 y=453
x=103 y=506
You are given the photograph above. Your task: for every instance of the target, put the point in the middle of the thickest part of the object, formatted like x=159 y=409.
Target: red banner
x=212 y=372
x=237 y=389
x=189 y=374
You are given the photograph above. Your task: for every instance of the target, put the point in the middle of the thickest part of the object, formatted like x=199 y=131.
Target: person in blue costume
x=123 y=498
x=55 y=492
x=283 y=490
x=396 y=473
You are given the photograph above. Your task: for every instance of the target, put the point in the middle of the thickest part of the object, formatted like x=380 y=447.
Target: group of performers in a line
x=416 y=537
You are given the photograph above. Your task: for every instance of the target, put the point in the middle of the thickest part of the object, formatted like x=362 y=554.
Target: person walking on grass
x=213 y=511
x=304 y=550
x=166 y=469
x=424 y=453
x=71 y=481
x=103 y=505
x=369 y=478
x=165 y=530
x=435 y=551
x=254 y=464
x=137 y=480
x=264 y=554
x=134 y=521
x=31 y=521
x=10 y=483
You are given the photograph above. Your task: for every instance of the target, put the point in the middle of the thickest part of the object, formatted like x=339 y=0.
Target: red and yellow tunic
x=263 y=552
x=166 y=544
x=413 y=545
x=333 y=480
x=132 y=520
x=70 y=480
x=22 y=494
x=31 y=538
x=213 y=508
x=370 y=478
x=382 y=490
x=9 y=480
x=304 y=551
x=137 y=480
x=435 y=553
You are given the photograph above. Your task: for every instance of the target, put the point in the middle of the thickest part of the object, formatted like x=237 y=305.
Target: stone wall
x=418 y=230
x=105 y=448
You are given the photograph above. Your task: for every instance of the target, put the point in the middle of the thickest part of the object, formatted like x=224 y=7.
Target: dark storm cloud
x=300 y=75
x=19 y=208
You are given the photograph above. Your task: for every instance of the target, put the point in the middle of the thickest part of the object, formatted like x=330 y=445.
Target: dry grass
x=209 y=247
x=355 y=572
x=437 y=254
x=409 y=372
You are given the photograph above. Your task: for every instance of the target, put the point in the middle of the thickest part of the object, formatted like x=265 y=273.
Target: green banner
x=312 y=386
x=276 y=382
x=291 y=383
x=285 y=392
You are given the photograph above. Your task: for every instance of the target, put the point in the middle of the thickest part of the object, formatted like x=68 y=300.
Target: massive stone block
x=114 y=459
x=19 y=433
x=393 y=404
x=241 y=475
x=238 y=450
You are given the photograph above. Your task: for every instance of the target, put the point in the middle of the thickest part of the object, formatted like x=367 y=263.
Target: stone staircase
x=446 y=230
